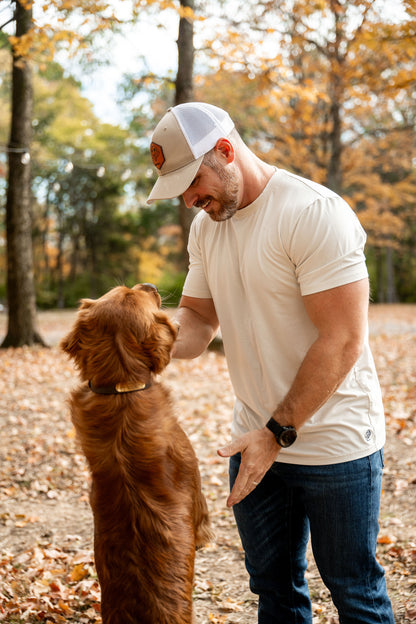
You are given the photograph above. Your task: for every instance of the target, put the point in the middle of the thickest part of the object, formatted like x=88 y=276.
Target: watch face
x=287 y=437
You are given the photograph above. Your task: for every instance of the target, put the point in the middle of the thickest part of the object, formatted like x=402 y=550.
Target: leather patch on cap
x=157 y=154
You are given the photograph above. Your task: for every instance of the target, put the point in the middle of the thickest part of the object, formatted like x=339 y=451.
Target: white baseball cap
x=179 y=142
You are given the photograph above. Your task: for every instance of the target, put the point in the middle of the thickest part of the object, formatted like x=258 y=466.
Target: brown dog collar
x=118 y=388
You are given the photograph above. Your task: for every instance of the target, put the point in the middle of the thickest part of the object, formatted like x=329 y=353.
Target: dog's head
x=121 y=336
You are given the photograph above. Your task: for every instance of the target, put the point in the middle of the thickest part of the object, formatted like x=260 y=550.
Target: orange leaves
x=39 y=583
x=27 y=4
x=89 y=18
x=78 y=572
x=70 y=23
x=386 y=539
x=22 y=45
x=217 y=619
x=339 y=97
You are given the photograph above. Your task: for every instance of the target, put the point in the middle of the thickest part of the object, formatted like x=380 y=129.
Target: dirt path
x=45 y=520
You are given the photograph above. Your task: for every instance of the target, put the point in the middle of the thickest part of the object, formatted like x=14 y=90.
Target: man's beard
x=228 y=199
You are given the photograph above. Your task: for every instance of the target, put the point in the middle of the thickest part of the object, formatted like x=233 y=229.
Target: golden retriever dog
x=149 y=511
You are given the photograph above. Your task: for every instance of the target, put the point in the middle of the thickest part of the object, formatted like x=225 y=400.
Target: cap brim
x=175 y=183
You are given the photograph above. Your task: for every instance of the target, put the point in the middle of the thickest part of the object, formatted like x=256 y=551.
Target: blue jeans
x=339 y=505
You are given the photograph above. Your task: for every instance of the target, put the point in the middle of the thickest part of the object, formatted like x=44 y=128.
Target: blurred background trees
x=324 y=88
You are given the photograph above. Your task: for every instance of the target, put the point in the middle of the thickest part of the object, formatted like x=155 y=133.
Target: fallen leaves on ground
x=47 y=572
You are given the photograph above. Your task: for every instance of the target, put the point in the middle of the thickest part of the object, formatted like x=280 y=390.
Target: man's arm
x=198 y=324
x=340 y=316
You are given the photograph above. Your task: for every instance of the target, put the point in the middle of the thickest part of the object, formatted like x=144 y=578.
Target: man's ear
x=225 y=148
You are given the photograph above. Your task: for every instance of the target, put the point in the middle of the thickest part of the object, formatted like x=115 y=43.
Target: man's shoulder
x=304 y=186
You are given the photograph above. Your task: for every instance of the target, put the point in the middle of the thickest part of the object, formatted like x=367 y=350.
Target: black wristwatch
x=285 y=436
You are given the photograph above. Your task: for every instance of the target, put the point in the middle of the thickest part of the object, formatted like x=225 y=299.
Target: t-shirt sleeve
x=327 y=246
x=196 y=284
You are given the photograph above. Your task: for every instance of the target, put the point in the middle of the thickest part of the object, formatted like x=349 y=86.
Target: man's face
x=215 y=189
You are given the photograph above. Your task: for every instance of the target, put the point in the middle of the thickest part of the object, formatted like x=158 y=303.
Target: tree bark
x=380 y=274
x=390 y=277
x=185 y=93
x=334 y=175
x=20 y=269
x=184 y=77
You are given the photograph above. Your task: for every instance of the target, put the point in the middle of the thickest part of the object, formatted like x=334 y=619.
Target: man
x=277 y=262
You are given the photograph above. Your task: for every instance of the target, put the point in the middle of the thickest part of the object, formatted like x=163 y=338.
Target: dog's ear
x=159 y=344
x=71 y=343
x=86 y=303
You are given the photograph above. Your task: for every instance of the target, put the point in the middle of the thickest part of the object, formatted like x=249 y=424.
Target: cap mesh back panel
x=196 y=126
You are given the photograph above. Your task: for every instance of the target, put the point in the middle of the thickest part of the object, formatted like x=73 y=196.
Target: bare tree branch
x=12 y=19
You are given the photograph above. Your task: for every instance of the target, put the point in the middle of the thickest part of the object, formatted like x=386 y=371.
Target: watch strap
x=285 y=436
x=274 y=427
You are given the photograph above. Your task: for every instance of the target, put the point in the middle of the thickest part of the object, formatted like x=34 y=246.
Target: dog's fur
x=149 y=511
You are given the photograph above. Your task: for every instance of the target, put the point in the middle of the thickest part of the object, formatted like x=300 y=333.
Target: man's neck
x=256 y=176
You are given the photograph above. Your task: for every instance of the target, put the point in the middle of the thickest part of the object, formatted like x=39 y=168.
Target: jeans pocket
x=381 y=451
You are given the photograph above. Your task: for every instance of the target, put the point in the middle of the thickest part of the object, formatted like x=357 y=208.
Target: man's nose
x=189 y=197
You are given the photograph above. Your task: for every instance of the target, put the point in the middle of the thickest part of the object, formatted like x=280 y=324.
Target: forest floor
x=47 y=571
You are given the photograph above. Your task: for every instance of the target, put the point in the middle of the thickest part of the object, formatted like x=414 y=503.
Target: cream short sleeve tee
x=295 y=239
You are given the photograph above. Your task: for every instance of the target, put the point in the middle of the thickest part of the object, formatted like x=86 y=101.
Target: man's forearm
x=194 y=335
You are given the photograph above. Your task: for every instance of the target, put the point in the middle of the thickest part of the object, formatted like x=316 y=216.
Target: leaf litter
x=47 y=572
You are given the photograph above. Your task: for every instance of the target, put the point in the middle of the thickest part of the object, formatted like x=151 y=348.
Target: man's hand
x=258 y=452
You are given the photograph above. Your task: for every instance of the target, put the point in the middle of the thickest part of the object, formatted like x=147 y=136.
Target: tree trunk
x=20 y=271
x=380 y=275
x=185 y=93
x=60 y=303
x=334 y=175
x=391 y=291
x=184 y=77
x=92 y=249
